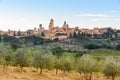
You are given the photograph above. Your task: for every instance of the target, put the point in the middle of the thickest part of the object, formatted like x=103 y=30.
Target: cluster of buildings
x=19 y=33
x=53 y=31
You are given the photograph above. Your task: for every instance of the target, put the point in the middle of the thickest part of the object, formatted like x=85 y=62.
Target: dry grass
x=14 y=73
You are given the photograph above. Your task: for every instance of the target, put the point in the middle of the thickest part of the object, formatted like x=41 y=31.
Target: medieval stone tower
x=51 y=25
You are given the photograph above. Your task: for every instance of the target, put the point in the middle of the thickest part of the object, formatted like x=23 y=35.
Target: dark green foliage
x=48 y=41
x=99 y=45
x=74 y=35
x=118 y=47
x=33 y=39
x=16 y=43
x=13 y=42
x=57 y=51
x=56 y=39
x=92 y=46
x=78 y=55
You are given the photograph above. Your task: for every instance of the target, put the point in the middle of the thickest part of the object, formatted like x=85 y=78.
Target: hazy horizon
x=27 y=14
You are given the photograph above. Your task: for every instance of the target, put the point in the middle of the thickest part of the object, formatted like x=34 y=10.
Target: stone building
x=58 y=32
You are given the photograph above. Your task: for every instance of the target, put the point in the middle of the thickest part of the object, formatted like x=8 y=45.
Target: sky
x=27 y=14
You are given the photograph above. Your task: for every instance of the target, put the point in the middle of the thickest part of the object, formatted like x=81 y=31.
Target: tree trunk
x=85 y=76
x=90 y=77
x=113 y=78
x=40 y=71
x=4 y=68
x=21 y=68
x=64 y=71
x=46 y=70
x=81 y=75
x=37 y=68
x=56 y=71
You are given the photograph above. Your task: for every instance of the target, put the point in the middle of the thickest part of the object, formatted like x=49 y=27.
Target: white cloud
x=93 y=15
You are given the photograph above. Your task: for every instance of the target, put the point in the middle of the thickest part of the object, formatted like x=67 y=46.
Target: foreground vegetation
x=88 y=64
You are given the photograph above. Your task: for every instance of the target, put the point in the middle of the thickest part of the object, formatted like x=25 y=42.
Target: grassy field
x=13 y=73
x=104 y=52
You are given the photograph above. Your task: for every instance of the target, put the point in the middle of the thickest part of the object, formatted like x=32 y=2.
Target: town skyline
x=27 y=14
x=47 y=27
x=60 y=32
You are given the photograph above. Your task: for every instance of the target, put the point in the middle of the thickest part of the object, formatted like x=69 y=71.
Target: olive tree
x=86 y=67
x=49 y=61
x=6 y=55
x=57 y=64
x=21 y=58
x=111 y=68
x=39 y=61
x=57 y=51
x=66 y=63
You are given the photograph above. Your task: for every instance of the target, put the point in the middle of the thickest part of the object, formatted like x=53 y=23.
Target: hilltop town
x=60 y=32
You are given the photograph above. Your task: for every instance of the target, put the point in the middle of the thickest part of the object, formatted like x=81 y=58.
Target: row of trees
x=86 y=65
x=94 y=45
x=23 y=41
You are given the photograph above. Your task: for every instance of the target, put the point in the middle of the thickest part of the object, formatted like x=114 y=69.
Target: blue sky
x=27 y=14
